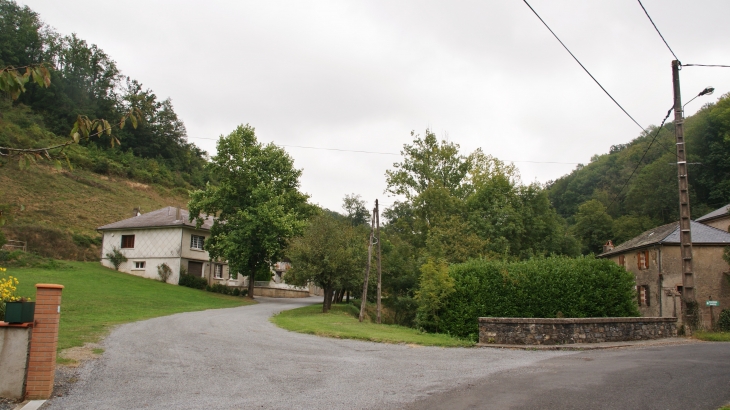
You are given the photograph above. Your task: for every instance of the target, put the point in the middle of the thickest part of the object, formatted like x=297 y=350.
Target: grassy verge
x=341 y=322
x=712 y=336
x=96 y=298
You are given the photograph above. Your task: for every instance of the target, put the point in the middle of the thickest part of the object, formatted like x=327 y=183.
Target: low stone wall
x=279 y=293
x=529 y=331
x=14 y=345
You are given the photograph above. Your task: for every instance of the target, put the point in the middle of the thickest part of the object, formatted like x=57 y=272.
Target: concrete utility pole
x=685 y=230
x=380 y=278
x=367 y=270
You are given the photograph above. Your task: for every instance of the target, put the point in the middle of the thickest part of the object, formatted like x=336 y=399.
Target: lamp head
x=707 y=91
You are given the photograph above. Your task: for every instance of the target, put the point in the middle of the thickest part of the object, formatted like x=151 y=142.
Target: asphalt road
x=695 y=376
x=236 y=359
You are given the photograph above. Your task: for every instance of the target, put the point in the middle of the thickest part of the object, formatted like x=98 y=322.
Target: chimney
x=177 y=214
x=608 y=246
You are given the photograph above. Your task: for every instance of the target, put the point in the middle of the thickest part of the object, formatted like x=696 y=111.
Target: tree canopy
x=257 y=203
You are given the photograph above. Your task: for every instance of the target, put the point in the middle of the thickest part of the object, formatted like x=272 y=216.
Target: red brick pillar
x=43 y=342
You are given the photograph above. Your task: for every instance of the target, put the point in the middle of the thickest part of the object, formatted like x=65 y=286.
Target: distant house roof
x=165 y=217
x=717 y=213
x=669 y=234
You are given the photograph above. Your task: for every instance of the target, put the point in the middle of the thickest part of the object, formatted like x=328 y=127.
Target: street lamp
x=706 y=91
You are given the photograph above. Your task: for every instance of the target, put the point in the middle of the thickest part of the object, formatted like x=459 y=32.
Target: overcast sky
x=360 y=75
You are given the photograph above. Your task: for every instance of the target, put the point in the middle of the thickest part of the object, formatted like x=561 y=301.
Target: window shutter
x=646 y=293
x=646 y=259
x=638 y=260
x=638 y=294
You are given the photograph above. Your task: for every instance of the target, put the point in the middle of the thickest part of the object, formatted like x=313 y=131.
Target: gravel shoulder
x=236 y=358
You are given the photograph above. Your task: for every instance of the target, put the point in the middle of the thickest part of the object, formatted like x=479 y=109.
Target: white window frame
x=140 y=265
x=218 y=271
x=196 y=240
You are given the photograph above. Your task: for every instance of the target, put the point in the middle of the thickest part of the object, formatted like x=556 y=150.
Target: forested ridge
x=599 y=204
x=84 y=80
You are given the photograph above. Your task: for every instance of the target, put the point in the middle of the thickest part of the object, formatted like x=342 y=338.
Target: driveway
x=236 y=359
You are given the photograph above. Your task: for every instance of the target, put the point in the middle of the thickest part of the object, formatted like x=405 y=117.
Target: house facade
x=164 y=236
x=654 y=258
x=719 y=218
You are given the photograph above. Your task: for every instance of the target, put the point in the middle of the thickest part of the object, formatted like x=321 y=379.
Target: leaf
x=68 y=162
x=46 y=76
x=117 y=139
x=76 y=137
x=57 y=165
x=107 y=127
x=134 y=121
x=38 y=77
x=122 y=122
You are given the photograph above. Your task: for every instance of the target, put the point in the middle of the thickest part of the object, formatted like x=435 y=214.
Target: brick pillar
x=43 y=342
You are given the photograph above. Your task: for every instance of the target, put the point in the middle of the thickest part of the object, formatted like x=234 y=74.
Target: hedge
x=536 y=288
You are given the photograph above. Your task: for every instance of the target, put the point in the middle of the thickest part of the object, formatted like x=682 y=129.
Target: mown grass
x=340 y=322
x=96 y=298
x=712 y=336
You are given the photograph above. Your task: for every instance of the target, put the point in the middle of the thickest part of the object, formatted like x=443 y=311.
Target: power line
x=582 y=66
x=638 y=164
x=390 y=153
x=705 y=65
x=657 y=30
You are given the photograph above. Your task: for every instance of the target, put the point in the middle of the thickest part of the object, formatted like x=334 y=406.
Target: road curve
x=236 y=359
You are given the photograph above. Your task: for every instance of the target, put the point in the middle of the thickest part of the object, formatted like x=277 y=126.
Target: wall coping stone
x=567 y=321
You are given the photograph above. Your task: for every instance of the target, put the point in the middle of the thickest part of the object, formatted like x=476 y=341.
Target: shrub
x=435 y=285
x=164 y=272
x=191 y=281
x=723 y=323
x=539 y=287
x=116 y=257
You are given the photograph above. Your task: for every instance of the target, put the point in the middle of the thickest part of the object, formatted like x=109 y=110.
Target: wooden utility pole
x=367 y=270
x=377 y=227
x=685 y=230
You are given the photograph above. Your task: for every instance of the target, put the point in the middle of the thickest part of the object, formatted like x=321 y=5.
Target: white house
x=164 y=236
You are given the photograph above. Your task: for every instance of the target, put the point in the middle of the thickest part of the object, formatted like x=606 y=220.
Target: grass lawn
x=96 y=298
x=340 y=322
x=712 y=336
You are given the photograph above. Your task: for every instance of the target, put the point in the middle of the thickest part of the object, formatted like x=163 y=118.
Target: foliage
x=539 y=287
x=257 y=202
x=651 y=196
x=8 y=292
x=226 y=290
x=74 y=84
x=593 y=226
x=164 y=272
x=95 y=299
x=3 y=241
x=191 y=281
x=355 y=210
x=342 y=322
x=435 y=285
x=726 y=254
x=711 y=336
x=330 y=254
x=723 y=322
x=116 y=257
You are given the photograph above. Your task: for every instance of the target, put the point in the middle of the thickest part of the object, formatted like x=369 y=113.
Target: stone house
x=164 y=236
x=655 y=261
x=719 y=218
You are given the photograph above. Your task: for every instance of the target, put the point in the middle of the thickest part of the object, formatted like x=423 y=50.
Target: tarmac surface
x=237 y=359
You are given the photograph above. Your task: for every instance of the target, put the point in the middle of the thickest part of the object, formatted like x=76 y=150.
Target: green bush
x=191 y=281
x=723 y=323
x=539 y=287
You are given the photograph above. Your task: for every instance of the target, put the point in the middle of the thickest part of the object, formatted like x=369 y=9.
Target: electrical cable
x=657 y=30
x=582 y=66
x=638 y=164
x=705 y=65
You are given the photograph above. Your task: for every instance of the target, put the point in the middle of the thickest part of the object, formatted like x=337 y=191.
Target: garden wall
x=533 y=331
x=14 y=345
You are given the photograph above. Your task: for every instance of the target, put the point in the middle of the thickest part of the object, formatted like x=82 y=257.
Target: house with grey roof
x=719 y=218
x=654 y=258
x=164 y=236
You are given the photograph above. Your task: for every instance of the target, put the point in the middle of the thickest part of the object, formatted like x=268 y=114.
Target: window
x=127 y=241
x=196 y=242
x=643 y=291
x=622 y=260
x=218 y=271
x=642 y=260
x=139 y=264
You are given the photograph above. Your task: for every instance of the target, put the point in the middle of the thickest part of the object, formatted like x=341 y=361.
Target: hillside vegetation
x=593 y=198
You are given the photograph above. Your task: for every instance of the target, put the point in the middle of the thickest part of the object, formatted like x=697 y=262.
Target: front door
x=195 y=269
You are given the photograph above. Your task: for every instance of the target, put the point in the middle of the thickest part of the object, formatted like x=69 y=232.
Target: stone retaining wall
x=528 y=331
x=279 y=293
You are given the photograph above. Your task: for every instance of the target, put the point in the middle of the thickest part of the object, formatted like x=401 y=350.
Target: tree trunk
x=348 y=297
x=327 y=303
